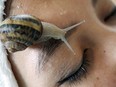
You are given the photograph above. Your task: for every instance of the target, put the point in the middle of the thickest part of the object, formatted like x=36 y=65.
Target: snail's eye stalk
x=68 y=29
x=68 y=45
x=73 y=26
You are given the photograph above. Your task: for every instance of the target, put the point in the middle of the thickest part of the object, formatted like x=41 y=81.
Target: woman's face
x=94 y=43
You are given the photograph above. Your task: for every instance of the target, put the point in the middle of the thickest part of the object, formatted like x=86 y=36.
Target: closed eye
x=79 y=73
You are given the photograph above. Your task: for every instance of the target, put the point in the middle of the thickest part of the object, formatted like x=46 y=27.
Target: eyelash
x=80 y=73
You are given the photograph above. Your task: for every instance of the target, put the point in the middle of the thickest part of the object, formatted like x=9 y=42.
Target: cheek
x=102 y=79
x=105 y=53
x=103 y=72
x=25 y=65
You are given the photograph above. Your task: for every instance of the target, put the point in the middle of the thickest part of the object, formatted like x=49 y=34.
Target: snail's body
x=19 y=32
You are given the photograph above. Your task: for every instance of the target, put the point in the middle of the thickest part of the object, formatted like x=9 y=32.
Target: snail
x=20 y=31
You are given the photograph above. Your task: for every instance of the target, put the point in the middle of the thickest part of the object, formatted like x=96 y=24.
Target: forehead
x=54 y=11
x=21 y=6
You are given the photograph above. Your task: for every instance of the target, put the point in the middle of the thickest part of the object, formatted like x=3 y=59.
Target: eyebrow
x=50 y=46
x=47 y=49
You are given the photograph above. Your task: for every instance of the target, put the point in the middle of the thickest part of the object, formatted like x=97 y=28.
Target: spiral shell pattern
x=20 y=31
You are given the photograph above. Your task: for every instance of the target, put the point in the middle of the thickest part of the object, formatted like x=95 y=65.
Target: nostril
x=111 y=18
x=113 y=13
x=105 y=11
x=103 y=8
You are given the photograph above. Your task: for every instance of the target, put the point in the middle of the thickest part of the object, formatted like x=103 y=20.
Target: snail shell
x=19 y=32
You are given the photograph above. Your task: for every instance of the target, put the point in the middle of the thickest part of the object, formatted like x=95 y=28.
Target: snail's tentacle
x=73 y=26
x=68 y=45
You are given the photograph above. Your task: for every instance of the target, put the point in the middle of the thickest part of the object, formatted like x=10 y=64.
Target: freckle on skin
x=97 y=78
x=104 y=51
